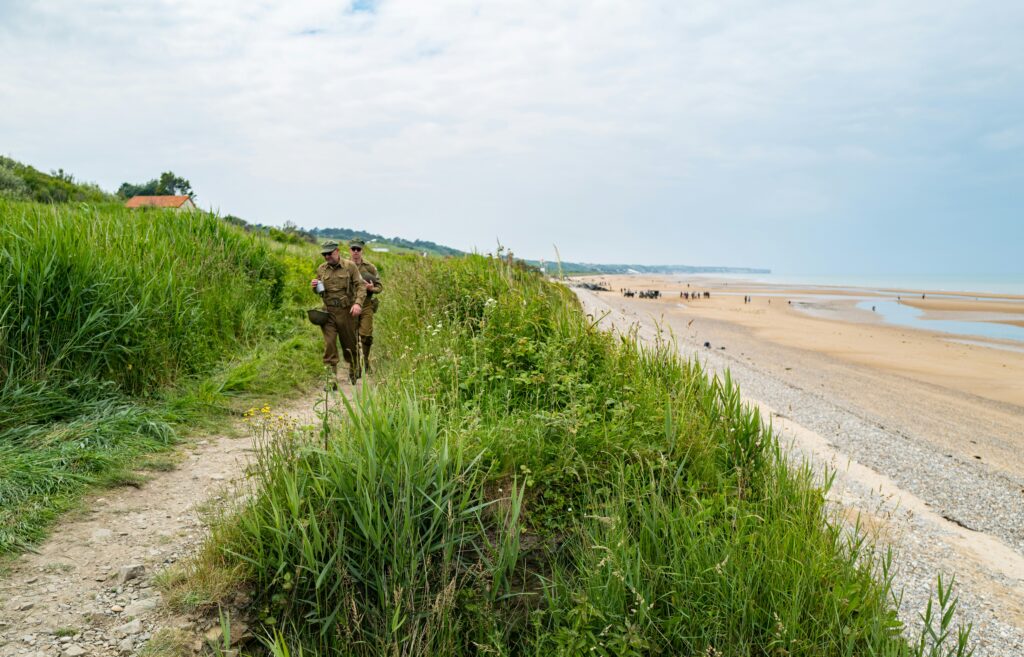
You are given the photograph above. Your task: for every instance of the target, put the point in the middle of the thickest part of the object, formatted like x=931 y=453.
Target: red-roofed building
x=172 y=202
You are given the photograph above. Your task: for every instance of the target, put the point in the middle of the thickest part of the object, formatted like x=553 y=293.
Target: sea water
x=900 y=314
x=1011 y=284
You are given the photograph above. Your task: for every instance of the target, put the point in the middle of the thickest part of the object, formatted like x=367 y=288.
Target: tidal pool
x=900 y=314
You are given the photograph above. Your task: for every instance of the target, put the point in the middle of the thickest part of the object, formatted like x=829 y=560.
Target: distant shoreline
x=592 y=269
x=967 y=342
x=997 y=318
x=1010 y=287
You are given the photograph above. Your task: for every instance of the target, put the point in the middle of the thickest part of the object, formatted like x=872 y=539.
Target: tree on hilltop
x=167 y=184
x=60 y=174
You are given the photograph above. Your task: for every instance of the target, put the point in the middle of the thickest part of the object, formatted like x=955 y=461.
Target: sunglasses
x=355 y=248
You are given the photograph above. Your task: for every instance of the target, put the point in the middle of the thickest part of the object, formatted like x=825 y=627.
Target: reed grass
x=118 y=326
x=135 y=299
x=520 y=483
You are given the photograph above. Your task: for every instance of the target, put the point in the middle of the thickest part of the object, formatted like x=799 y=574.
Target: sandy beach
x=963 y=393
x=924 y=429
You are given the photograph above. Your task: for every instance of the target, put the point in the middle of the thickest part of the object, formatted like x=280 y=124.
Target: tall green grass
x=522 y=483
x=115 y=325
x=135 y=298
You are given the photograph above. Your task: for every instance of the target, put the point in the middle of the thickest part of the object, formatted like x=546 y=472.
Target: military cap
x=328 y=247
x=356 y=242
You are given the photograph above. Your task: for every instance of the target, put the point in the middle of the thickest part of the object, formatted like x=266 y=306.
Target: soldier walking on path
x=341 y=286
x=373 y=288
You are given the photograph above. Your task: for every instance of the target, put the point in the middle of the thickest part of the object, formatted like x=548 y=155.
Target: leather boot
x=333 y=369
x=367 y=342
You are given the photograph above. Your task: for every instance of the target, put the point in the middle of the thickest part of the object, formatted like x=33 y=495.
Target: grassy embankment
x=118 y=327
x=521 y=483
x=21 y=182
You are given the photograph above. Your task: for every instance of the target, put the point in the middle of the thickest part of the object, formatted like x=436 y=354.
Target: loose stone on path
x=130 y=572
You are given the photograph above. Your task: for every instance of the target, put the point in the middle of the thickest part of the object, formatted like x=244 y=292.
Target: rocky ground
x=89 y=588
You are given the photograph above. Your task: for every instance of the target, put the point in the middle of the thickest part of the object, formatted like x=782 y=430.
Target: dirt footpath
x=89 y=588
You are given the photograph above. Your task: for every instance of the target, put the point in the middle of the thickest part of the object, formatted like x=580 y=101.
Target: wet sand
x=964 y=394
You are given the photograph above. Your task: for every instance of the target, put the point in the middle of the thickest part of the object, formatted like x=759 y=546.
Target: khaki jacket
x=343 y=284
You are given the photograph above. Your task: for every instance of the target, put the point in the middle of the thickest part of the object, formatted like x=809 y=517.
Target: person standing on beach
x=344 y=294
x=373 y=288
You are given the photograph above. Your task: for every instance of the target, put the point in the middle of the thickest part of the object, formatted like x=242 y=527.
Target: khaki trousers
x=341 y=328
x=365 y=321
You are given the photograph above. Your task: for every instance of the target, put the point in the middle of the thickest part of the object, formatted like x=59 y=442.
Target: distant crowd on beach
x=656 y=294
x=642 y=294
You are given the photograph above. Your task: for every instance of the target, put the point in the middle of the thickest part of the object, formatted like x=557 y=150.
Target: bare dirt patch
x=88 y=590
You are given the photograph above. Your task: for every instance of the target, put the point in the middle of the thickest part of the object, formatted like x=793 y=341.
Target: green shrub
x=391 y=514
x=11 y=185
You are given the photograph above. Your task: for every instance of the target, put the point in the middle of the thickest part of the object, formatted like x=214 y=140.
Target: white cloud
x=427 y=111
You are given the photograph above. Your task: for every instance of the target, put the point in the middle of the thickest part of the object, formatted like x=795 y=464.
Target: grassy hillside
x=396 y=244
x=116 y=326
x=289 y=233
x=22 y=182
x=521 y=483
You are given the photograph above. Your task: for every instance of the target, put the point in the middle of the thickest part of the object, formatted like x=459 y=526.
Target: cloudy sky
x=807 y=136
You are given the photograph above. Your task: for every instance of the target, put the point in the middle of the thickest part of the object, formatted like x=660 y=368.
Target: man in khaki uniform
x=373 y=288
x=344 y=294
